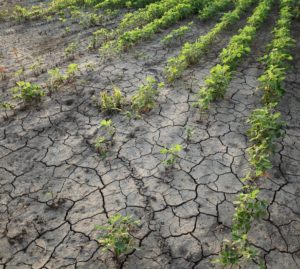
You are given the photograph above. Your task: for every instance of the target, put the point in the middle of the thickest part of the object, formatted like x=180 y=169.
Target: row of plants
x=211 y=10
x=192 y=52
x=29 y=93
x=265 y=129
x=55 y=6
x=178 y=12
x=239 y=46
x=131 y=20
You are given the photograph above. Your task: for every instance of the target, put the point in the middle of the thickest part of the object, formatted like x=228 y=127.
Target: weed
x=265 y=128
x=6 y=106
x=108 y=126
x=112 y=103
x=36 y=67
x=116 y=237
x=189 y=133
x=172 y=154
x=70 y=50
x=144 y=99
x=27 y=92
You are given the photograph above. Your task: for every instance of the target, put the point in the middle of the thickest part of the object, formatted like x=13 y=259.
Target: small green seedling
x=6 y=106
x=70 y=50
x=107 y=125
x=36 y=67
x=189 y=133
x=57 y=78
x=28 y=92
x=144 y=100
x=100 y=145
x=116 y=235
x=112 y=103
x=172 y=154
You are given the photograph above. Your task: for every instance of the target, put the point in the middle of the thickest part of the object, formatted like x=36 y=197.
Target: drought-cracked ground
x=55 y=187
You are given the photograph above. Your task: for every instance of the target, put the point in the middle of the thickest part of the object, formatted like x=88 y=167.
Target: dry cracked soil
x=54 y=186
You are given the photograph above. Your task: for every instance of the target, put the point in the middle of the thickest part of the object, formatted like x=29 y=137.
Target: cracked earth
x=55 y=187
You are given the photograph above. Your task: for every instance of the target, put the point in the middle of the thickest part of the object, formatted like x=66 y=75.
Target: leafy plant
x=36 y=67
x=172 y=154
x=58 y=78
x=107 y=124
x=116 y=235
x=230 y=56
x=112 y=103
x=144 y=99
x=192 y=52
x=70 y=50
x=176 y=34
x=265 y=128
x=248 y=209
x=27 y=92
x=6 y=106
x=189 y=133
x=100 y=145
x=215 y=85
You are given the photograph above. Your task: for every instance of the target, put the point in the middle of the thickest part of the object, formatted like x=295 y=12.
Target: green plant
x=100 y=145
x=6 y=106
x=36 y=67
x=56 y=79
x=215 y=85
x=192 y=52
x=172 y=154
x=238 y=47
x=213 y=8
x=70 y=50
x=144 y=99
x=176 y=34
x=113 y=102
x=248 y=209
x=28 y=92
x=107 y=124
x=265 y=128
x=116 y=235
x=189 y=133
x=71 y=72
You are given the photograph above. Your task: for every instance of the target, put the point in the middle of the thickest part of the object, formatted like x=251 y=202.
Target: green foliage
x=70 y=50
x=271 y=81
x=214 y=7
x=172 y=154
x=144 y=99
x=238 y=48
x=112 y=103
x=27 y=92
x=116 y=237
x=100 y=145
x=265 y=128
x=108 y=126
x=176 y=34
x=58 y=78
x=192 y=52
x=215 y=85
x=36 y=67
x=189 y=133
x=248 y=209
x=176 y=12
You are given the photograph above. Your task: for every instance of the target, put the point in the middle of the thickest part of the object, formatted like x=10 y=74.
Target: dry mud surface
x=55 y=187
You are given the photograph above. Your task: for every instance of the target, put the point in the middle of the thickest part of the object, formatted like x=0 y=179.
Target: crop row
x=192 y=52
x=265 y=129
x=239 y=46
x=178 y=12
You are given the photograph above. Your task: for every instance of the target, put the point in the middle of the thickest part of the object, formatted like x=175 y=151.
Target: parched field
x=56 y=185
